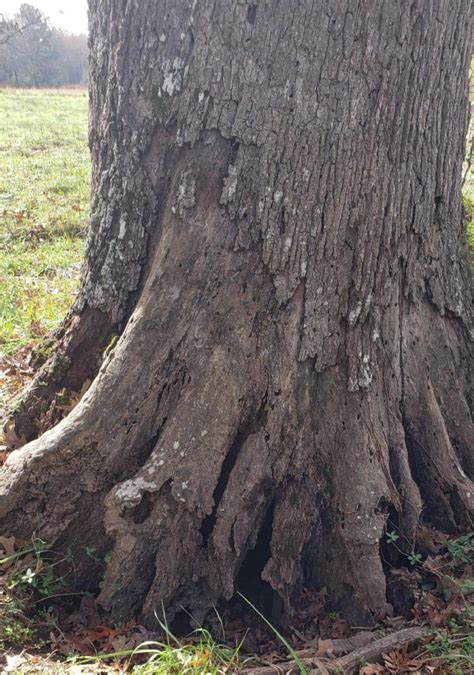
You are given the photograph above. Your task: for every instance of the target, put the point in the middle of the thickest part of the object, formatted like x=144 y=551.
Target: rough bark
x=277 y=222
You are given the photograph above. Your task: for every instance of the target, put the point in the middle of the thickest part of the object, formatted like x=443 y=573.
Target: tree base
x=225 y=464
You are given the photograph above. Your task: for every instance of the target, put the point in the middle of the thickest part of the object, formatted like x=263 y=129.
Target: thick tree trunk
x=277 y=222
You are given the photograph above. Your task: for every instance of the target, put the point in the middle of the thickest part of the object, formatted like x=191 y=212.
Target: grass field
x=44 y=198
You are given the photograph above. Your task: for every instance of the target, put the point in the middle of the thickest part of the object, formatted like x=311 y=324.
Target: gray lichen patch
x=185 y=197
x=173 y=75
x=230 y=186
x=362 y=375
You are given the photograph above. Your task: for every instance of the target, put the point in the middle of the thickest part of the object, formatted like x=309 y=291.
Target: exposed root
x=76 y=357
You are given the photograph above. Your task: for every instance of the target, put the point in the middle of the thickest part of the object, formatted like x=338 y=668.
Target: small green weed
x=199 y=654
x=30 y=579
x=17 y=629
x=462 y=549
x=412 y=557
x=455 y=647
x=203 y=656
x=37 y=575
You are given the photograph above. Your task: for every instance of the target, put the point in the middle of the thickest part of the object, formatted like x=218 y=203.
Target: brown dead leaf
x=372 y=669
x=426 y=539
x=121 y=642
x=8 y=545
x=324 y=648
x=20 y=215
x=73 y=644
x=334 y=628
x=437 y=611
x=74 y=398
x=9 y=438
x=398 y=662
x=310 y=605
x=86 y=616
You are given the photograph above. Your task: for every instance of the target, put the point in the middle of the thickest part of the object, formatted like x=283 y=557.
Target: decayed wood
x=373 y=652
x=370 y=653
x=278 y=237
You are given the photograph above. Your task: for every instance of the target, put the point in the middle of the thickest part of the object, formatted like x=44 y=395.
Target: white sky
x=70 y=15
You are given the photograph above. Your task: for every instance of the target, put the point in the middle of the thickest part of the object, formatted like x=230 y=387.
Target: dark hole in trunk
x=389 y=551
x=249 y=580
x=141 y=511
x=182 y=623
x=401 y=583
x=251 y=13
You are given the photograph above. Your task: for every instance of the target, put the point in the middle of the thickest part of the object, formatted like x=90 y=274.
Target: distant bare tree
x=9 y=28
x=32 y=53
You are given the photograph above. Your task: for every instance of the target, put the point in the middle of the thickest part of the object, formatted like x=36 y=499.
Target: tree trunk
x=277 y=224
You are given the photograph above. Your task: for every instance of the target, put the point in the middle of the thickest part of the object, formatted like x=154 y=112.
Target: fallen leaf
x=372 y=669
x=398 y=662
x=8 y=545
x=324 y=648
x=9 y=437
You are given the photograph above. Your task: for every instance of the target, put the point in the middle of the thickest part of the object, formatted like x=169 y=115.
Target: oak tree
x=277 y=241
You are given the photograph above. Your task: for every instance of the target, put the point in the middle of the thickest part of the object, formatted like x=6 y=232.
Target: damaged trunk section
x=277 y=229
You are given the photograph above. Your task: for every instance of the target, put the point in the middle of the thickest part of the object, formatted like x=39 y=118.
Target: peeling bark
x=277 y=224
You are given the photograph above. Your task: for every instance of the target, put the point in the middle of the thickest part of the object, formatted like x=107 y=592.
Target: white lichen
x=173 y=76
x=122 y=228
x=130 y=491
x=365 y=377
x=230 y=185
x=355 y=313
x=185 y=195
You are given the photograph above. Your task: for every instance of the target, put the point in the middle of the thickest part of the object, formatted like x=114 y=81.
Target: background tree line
x=34 y=54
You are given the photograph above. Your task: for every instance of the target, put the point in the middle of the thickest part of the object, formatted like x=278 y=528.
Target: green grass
x=199 y=654
x=468 y=194
x=44 y=202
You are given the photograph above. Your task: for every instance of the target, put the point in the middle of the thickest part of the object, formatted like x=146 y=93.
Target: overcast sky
x=70 y=15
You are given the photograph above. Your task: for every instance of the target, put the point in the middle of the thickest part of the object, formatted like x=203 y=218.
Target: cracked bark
x=277 y=225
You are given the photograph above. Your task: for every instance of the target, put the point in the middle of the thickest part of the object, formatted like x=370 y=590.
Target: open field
x=44 y=198
x=45 y=91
